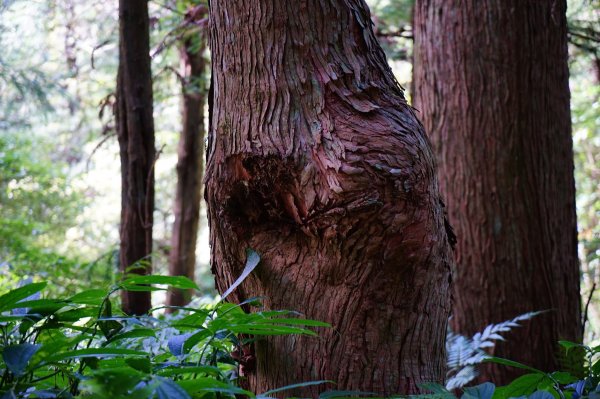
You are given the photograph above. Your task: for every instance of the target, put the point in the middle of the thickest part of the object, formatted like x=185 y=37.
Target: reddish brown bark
x=317 y=162
x=492 y=87
x=135 y=129
x=190 y=168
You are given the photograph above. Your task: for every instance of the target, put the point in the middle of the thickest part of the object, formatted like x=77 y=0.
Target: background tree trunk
x=317 y=163
x=190 y=168
x=492 y=86
x=135 y=129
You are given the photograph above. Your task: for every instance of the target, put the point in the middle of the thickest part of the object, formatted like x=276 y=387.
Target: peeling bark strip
x=182 y=259
x=135 y=128
x=492 y=85
x=317 y=162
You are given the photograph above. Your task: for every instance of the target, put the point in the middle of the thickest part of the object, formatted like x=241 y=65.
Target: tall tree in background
x=317 y=162
x=492 y=86
x=135 y=129
x=190 y=167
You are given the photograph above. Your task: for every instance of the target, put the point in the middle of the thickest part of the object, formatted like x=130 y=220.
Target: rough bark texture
x=190 y=169
x=135 y=128
x=317 y=163
x=492 y=88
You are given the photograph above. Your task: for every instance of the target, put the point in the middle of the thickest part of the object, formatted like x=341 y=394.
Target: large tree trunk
x=182 y=259
x=492 y=86
x=135 y=128
x=318 y=164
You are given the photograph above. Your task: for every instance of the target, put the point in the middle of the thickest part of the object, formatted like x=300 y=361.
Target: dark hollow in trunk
x=492 y=87
x=135 y=129
x=182 y=259
x=317 y=162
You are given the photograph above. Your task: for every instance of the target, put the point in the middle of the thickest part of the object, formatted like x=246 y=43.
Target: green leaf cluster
x=84 y=346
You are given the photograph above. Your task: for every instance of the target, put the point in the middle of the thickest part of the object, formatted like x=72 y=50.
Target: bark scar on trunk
x=265 y=190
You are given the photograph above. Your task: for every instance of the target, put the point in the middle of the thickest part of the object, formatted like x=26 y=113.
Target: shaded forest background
x=59 y=154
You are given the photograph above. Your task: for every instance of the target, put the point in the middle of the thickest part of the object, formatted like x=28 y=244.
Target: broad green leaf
x=89 y=297
x=273 y=313
x=53 y=343
x=36 y=304
x=209 y=384
x=563 y=377
x=73 y=315
x=522 y=386
x=195 y=338
x=131 y=320
x=596 y=367
x=511 y=363
x=253 y=329
x=142 y=364
x=252 y=260
x=194 y=320
x=223 y=308
x=114 y=362
x=108 y=327
x=482 y=391
x=176 y=343
x=180 y=282
x=179 y=370
x=168 y=389
x=93 y=352
x=136 y=333
x=568 y=345
x=16 y=357
x=91 y=362
x=142 y=288
x=114 y=382
x=10 y=299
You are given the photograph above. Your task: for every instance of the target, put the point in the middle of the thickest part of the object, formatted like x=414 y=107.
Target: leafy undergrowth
x=84 y=346
x=465 y=354
x=579 y=379
x=81 y=346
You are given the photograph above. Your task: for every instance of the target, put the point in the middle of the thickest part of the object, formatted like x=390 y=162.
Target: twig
x=180 y=77
x=585 y=36
x=587 y=305
x=98 y=47
x=174 y=34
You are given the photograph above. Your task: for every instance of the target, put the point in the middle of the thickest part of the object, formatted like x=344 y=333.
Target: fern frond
x=464 y=354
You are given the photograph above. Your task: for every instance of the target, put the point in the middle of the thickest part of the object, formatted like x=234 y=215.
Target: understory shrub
x=84 y=346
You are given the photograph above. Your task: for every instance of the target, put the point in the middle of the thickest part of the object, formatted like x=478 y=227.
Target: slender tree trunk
x=135 y=128
x=492 y=86
x=182 y=260
x=318 y=164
